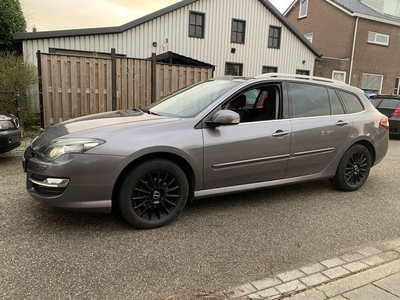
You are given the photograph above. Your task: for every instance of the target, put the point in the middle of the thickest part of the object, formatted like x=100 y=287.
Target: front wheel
x=353 y=169
x=153 y=193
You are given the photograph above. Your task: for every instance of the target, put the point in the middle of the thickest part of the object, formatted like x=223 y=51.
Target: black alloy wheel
x=153 y=193
x=154 y=197
x=353 y=169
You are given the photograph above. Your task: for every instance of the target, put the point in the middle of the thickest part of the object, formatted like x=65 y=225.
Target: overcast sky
x=74 y=14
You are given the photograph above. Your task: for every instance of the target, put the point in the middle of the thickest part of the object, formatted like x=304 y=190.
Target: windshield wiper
x=152 y=113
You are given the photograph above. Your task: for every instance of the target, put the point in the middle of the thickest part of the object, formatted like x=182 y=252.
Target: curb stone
x=324 y=279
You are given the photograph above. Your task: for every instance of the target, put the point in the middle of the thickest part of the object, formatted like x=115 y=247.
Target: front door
x=246 y=153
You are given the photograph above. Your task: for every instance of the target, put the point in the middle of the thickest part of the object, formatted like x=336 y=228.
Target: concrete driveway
x=215 y=244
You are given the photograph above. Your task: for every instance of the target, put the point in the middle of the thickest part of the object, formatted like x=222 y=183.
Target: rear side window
x=336 y=105
x=352 y=103
x=309 y=100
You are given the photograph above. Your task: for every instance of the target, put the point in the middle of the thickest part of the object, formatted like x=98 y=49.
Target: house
x=360 y=40
x=238 y=37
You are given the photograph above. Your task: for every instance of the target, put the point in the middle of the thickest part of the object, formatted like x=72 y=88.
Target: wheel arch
x=370 y=147
x=181 y=162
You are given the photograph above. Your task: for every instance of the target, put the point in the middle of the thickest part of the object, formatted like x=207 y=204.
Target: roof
x=159 y=13
x=178 y=59
x=356 y=6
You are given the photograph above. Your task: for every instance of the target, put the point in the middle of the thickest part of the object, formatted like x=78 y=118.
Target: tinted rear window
x=375 y=102
x=352 y=103
x=389 y=103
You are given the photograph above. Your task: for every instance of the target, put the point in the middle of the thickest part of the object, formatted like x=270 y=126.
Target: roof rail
x=297 y=76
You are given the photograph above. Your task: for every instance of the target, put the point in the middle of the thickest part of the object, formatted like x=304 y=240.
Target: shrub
x=16 y=80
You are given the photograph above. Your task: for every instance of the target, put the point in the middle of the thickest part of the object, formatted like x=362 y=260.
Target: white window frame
x=368 y=87
x=375 y=36
x=334 y=72
x=303 y=3
x=397 y=86
x=309 y=36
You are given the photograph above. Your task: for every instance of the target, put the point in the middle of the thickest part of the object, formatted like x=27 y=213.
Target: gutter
x=353 y=50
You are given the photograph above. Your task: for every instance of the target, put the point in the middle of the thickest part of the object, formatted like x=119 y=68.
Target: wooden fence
x=73 y=86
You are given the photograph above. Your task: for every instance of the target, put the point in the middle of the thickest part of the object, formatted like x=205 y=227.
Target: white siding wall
x=214 y=49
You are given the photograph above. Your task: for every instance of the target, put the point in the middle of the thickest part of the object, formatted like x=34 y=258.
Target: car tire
x=153 y=193
x=353 y=169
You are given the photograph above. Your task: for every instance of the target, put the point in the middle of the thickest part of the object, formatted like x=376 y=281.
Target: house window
x=303 y=8
x=302 y=72
x=274 y=39
x=378 y=38
x=372 y=82
x=238 y=31
x=196 y=25
x=268 y=69
x=397 y=86
x=339 y=75
x=309 y=36
x=234 y=69
x=392 y=7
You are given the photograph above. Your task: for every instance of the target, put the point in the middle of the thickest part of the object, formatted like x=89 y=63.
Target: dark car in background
x=369 y=93
x=389 y=105
x=10 y=132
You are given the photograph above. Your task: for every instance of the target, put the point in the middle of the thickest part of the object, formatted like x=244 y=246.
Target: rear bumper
x=394 y=125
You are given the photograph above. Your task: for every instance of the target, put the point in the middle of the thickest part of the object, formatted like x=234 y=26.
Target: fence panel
x=75 y=86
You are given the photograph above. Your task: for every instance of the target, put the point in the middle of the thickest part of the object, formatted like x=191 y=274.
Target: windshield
x=189 y=101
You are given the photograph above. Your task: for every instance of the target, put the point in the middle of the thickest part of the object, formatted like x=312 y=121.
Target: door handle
x=341 y=123
x=280 y=133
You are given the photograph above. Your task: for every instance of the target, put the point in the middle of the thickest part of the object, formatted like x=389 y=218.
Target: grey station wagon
x=216 y=137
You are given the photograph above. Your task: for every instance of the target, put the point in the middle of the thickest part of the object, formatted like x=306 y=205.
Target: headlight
x=59 y=147
x=4 y=125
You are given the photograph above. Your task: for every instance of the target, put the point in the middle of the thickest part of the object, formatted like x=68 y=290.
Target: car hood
x=95 y=121
x=4 y=116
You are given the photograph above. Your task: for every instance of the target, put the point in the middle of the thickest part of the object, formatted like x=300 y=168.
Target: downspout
x=353 y=50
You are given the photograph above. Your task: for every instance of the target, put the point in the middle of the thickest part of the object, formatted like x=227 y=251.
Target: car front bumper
x=80 y=182
x=10 y=139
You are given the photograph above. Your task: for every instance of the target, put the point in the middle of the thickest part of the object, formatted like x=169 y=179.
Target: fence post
x=153 y=77
x=18 y=108
x=113 y=79
x=39 y=59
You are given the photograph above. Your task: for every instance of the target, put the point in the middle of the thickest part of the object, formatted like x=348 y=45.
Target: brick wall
x=377 y=59
x=333 y=34
x=332 y=28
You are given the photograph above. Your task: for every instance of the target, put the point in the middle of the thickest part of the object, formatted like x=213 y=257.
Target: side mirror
x=224 y=117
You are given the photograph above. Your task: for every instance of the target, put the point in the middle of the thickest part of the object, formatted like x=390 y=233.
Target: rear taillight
x=396 y=112
x=384 y=122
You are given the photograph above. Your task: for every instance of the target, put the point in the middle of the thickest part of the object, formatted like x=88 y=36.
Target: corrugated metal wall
x=170 y=31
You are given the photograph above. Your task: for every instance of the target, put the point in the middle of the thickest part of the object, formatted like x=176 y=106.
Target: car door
x=250 y=152
x=320 y=128
x=246 y=153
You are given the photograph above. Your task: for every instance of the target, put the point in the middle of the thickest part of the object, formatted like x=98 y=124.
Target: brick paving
x=367 y=273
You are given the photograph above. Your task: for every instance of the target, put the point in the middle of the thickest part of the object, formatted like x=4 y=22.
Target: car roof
x=295 y=77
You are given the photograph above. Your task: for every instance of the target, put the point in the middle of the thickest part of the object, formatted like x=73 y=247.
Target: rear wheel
x=353 y=169
x=153 y=193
